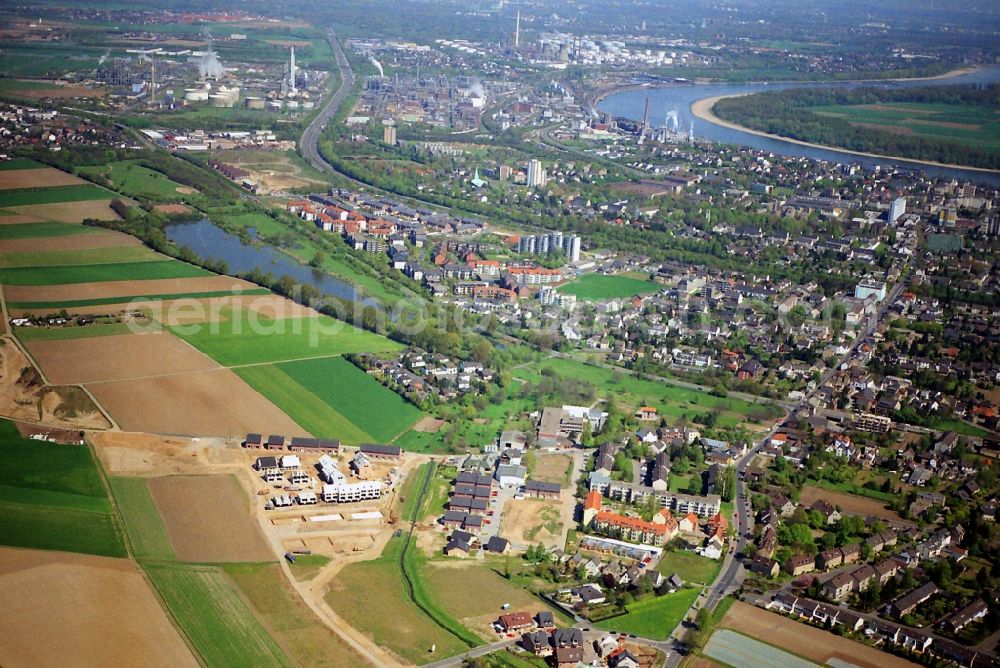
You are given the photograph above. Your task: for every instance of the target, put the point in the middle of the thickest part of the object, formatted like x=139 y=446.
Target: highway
x=309 y=143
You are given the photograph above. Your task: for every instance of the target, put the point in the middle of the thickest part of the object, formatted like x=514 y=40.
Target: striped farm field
x=104 y=301
x=249 y=338
x=355 y=395
x=46 y=229
x=146 y=533
x=53 y=195
x=309 y=411
x=210 y=612
x=64 y=333
x=71 y=258
x=94 y=273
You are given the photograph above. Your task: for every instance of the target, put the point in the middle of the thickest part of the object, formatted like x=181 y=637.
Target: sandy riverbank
x=703 y=109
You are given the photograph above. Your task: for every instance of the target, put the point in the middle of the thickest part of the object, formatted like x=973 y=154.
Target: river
x=211 y=242
x=678 y=98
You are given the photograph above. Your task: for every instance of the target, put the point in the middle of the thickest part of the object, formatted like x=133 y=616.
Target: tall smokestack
x=291 y=71
x=517 y=30
x=645 y=116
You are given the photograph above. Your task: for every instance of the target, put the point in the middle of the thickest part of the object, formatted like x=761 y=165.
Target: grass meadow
x=653 y=617
x=52 y=498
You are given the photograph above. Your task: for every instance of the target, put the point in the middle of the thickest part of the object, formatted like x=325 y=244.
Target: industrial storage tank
x=255 y=103
x=195 y=95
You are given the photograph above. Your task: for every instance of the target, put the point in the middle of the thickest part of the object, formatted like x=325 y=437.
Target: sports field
x=969 y=125
x=653 y=617
x=600 y=287
x=146 y=533
x=87 y=273
x=51 y=497
x=210 y=612
x=672 y=401
x=248 y=338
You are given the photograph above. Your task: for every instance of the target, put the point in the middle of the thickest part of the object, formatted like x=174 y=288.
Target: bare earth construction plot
x=64 y=609
x=533 y=521
x=805 y=641
x=208 y=519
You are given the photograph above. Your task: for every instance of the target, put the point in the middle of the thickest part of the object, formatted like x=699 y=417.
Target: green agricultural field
x=20 y=163
x=600 y=287
x=35 y=230
x=52 y=498
x=689 y=566
x=135 y=180
x=332 y=398
x=250 y=339
x=293 y=625
x=146 y=533
x=314 y=415
x=63 y=333
x=969 y=125
x=672 y=401
x=88 y=273
x=654 y=617
x=382 y=609
x=69 y=258
x=208 y=609
x=103 y=301
x=355 y=395
x=53 y=195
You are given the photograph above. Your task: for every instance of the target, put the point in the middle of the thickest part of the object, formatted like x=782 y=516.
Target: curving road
x=309 y=143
